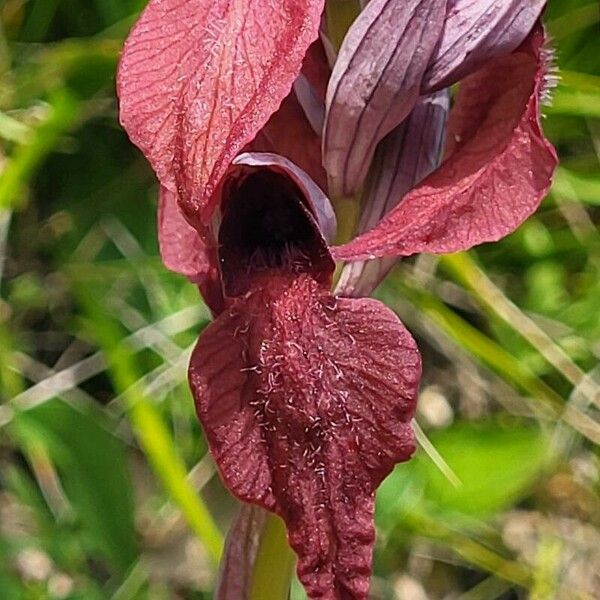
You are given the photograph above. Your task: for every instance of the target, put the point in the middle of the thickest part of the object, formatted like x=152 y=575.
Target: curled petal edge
x=318 y=202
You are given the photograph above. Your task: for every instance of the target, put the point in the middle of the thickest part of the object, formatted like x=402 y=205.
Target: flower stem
x=347 y=211
x=340 y=15
x=274 y=564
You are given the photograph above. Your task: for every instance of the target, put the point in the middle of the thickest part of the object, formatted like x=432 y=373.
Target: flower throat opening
x=266 y=227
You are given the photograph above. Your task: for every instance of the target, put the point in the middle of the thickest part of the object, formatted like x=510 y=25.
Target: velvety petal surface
x=375 y=82
x=199 y=78
x=183 y=250
x=316 y=69
x=306 y=402
x=499 y=166
x=474 y=32
x=404 y=158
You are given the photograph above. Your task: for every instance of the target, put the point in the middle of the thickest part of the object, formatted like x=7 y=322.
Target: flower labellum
x=306 y=399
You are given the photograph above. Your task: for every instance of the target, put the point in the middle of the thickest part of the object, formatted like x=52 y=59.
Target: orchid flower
x=305 y=394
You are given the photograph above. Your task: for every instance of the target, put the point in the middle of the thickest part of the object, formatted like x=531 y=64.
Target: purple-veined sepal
x=403 y=158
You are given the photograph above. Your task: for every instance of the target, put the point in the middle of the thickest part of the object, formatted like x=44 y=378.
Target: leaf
x=581 y=187
x=576 y=94
x=496 y=465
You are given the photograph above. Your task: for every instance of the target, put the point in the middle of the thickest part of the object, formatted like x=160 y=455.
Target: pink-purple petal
x=375 y=83
x=312 y=105
x=476 y=31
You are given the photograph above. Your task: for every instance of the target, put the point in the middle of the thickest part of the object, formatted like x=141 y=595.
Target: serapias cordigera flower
x=306 y=395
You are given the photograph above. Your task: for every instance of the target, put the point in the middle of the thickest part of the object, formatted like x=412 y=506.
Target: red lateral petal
x=306 y=401
x=183 y=250
x=499 y=168
x=199 y=78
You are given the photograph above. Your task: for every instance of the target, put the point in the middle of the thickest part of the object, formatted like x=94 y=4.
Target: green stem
x=340 y=15
x=274 y=564
x=471 y=550
x=347 y=212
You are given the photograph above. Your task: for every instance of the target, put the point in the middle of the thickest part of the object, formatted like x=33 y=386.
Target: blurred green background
x=106 y=490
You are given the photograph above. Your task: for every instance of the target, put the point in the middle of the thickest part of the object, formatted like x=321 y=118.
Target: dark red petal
x=183 y=250
x=306 y=401
x=316 y=68
x=289 y=133
x=199 y=78
x=499 y=167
